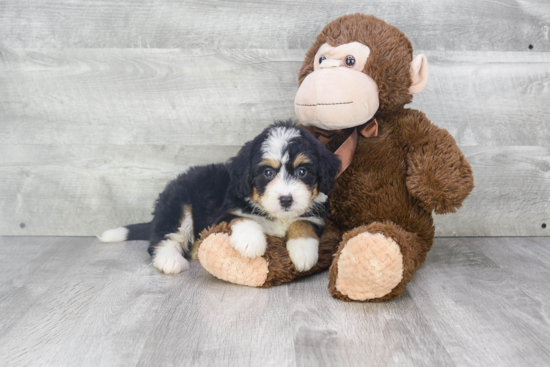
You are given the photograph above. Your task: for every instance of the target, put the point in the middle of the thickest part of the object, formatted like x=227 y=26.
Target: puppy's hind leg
x=172 y=235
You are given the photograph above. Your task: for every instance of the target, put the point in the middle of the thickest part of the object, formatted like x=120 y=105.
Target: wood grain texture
x=469 y=92
x=101 y=104
x=85 y=189
x=511 y=196
x=106 y=96
x=489 y=98
x=335 y=333
x=509 y=25
x=76 y=302
x=90 y=137
x=226 y=97
x=475 y=300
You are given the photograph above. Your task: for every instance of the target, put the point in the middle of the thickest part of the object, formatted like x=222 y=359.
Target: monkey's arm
x=438 y=173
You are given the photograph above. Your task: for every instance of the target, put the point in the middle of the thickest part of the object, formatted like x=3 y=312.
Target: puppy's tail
x=131 y=232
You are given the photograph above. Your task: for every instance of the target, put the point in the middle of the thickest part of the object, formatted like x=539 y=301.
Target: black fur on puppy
x=278 y=184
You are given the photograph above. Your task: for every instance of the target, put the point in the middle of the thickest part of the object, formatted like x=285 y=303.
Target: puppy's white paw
x=170 y=261
x=304 y=252
x=248 y=238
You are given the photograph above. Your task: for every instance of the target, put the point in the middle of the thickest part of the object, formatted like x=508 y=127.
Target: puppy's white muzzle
x=286 y=197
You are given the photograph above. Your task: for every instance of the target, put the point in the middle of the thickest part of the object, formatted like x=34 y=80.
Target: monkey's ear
x=419 y=74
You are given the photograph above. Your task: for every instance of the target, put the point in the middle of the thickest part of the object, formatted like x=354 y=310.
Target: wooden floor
x=72 y=301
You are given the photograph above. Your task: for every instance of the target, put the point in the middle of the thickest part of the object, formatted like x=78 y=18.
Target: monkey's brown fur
x=395 y=179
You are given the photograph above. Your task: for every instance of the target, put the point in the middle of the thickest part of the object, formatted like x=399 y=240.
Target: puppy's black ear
x=329 y=163
x=239 y=172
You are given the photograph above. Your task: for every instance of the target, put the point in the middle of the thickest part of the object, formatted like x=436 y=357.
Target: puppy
x=278 y=184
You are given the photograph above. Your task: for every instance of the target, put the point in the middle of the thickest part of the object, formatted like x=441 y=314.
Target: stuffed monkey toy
x=397 y=167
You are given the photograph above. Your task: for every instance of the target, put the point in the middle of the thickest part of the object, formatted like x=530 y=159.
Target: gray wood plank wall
x=101 y=103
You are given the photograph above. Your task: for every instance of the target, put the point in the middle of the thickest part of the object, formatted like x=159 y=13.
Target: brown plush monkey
x=354 y=84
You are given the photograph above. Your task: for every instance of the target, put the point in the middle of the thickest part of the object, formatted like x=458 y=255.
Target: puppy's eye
x=268 y=172
x=302 y=172
x=350 y=61
x=321 y=59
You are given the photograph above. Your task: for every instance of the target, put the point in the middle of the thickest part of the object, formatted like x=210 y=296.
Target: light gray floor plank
x=22 y=267
x=478 y=307
x=328 y=332
x=528 y=260
x=74 y=301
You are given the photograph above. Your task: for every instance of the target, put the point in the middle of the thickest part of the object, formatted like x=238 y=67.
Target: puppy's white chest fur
x=278 y=226
x=274 y=227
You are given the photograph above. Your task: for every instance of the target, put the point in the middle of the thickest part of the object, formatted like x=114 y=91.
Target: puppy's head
x=284 y=171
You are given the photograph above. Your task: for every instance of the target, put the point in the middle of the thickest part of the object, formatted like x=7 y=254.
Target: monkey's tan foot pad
x=221 y=260
x=369 y=267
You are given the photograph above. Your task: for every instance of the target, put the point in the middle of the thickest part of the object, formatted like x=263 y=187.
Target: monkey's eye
x=350 y=61
x=268 y=172
x=321 y=59
x=302 y=172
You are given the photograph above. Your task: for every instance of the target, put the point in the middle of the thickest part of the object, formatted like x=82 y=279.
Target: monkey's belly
x=361 y=201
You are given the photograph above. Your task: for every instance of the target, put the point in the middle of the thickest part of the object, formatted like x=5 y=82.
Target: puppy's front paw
x=304 y=252
x=248 y=238
x=170 y=261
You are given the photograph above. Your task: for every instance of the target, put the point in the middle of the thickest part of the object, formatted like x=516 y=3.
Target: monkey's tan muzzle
x=336 y=98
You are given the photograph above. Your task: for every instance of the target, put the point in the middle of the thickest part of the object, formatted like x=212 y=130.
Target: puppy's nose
x=286 y=201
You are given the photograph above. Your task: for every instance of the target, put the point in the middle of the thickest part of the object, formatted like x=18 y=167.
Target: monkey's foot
x=367 y=267
x=220 y=259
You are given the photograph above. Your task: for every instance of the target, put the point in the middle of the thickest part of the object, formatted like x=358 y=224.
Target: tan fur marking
x=256 y=197
x=314 y=192
x=187 y=212
x=301 y=159
x=301 y=229
x=270 y=162
x=194 y=254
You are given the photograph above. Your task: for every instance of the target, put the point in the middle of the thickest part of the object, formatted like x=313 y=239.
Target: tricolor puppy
x=277 y=184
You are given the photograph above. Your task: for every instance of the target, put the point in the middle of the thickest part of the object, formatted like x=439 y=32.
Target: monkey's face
x=338 y=94
x=369 y=70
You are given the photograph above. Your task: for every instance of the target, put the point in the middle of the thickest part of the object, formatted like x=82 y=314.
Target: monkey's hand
x=438 y=173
